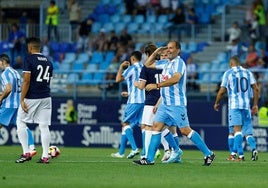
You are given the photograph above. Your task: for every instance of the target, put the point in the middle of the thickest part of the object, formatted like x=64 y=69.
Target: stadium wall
x=99 y=126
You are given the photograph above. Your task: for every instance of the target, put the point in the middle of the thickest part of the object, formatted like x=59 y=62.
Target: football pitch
x=93 y=167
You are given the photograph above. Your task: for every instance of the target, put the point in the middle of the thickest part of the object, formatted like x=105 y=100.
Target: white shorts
x=148 y=115
x=39 y=111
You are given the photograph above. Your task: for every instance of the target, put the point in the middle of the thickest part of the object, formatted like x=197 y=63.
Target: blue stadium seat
x=64 y=66
x=96 y=58
x=205 y=18
x=138 y=45
x=163 y=18
x=84 y=57
x=185 y=56
x=205 y=1
x=108 y=26
x=105 y=2
x=69 y=57
x=222 y=57
x=104 y=65
x=139 y=19
x=86 y=78
x=96 y=26
x=92 y=78
x=215 y=65
x=192 y=47
x=210 y=8
x=118 y=3
x=109 y=55
x=204 y=78
x=151 y=19
x=4 y=46
x=223 y=67
x=66 y=47
x=78 y=66
x=104 y=18
x=145 y=28
x=215 y=77
x=201 y=46
x=56 y=65
x=184 y=47
x=92 y=67
x=159 y=28
x=133 y=28
x=204 y=67
x=115 y=18
x=126 y=18
x=72 y=78
x=121 y=10
x=98 y=76
x=119 y=27
x=54 y=46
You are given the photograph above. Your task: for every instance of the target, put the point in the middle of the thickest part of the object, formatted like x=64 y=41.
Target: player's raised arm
x=119 y=76
x=150 y=62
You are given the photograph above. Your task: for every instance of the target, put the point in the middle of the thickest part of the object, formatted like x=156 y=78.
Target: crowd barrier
x=108 y=136
x=98 y=125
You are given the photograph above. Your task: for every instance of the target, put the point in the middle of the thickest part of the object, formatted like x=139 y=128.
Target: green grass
x=93 y=167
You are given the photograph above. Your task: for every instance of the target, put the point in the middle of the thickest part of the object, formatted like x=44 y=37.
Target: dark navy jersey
x=41 y=70
x=151 y=76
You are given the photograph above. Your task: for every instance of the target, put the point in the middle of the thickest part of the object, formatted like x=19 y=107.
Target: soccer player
x=173 y=105
x=10 y=98
x=35 y=102
x=150 y=76
x=135 y=103
x=237 y=82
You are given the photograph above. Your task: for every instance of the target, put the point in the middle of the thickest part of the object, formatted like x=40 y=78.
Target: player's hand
x=254 y=110
x=24 y=106
x=150 y=87
x=124 y=94
x=155 y=109
x=161 y=49
x=216 y=107
x=136 y=83
x=125 y=64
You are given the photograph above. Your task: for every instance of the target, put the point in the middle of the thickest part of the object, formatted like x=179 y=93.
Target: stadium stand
x=110 y=14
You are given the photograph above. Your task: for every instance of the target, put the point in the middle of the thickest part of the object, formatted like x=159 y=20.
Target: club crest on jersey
x=164 y=77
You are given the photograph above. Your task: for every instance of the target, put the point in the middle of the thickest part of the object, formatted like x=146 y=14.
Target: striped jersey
x=131 y=74
x=11 y=76
x=238 y=81
x=174 y=95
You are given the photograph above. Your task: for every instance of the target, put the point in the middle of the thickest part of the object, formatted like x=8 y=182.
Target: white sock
x=164 y=141
x=23 y=136
x=45 y=139
x=31 y=147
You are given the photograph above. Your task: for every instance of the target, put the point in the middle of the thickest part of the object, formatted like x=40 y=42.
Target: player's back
x=41 y=70
x=239 y=87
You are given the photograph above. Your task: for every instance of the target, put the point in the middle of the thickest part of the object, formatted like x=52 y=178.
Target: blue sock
x=251 y=142
x=143 y=152
x=30 y=137
x=130 y=137
x=123 y=143
x=231 y=143
x=238 y=139
x=176 y=138
x=154 y=144
x=171 y=141
x=199 y=142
